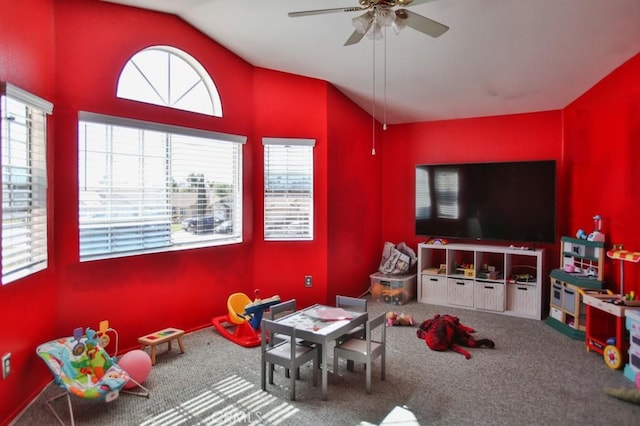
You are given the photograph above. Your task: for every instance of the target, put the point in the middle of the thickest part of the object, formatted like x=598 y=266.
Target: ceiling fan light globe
x=400 y=22
x=398 y=26
x=361 y=23
x=375 y=32
x=385 y=16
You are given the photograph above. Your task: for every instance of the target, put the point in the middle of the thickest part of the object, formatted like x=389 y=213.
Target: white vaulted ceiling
x=498 y=57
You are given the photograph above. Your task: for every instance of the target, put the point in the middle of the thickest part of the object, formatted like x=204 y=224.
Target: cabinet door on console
x=489 y=296
x=460 y=292
x=522 y=299
x=434 y=289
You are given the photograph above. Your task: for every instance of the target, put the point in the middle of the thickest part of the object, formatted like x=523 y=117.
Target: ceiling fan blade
x=323 y=11
x=422 y=24
x=363 y=24
x=355 y=37
x=413 y=3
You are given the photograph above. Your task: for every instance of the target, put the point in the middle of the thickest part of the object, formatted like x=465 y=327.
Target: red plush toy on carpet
x=444 y=332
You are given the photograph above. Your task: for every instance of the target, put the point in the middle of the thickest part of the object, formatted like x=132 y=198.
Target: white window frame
x=288 y=189
x=169 y=77
x=24 y=182
x=152 y=200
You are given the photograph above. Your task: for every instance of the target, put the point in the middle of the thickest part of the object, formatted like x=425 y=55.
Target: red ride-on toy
x=241 y=324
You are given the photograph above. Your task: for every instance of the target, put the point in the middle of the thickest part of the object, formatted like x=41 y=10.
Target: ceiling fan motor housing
x=389 y=3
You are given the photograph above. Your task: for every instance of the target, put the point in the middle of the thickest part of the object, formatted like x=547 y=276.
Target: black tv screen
x=506 y=201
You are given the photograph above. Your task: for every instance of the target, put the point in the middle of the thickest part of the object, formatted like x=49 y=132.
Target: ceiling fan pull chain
x=373 y=106
x=384 y=111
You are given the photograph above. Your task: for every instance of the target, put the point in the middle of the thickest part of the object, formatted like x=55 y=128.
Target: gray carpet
x=534 y=376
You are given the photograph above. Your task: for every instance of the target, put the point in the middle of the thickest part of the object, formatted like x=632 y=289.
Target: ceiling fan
x=379 y=14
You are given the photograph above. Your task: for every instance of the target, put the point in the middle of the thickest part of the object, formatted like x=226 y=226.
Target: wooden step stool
x=163 y=336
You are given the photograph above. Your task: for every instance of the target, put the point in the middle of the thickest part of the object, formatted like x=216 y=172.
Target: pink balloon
x=137 y=364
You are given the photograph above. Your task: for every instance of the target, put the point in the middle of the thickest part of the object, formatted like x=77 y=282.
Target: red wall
x=76 y=66
x=71 y=52
x=138 y=294
x=346 y=240
x=27 y=307
x=602 y=149
x=521 y=137
x=503 y=138
x=354 y=217
x=292 y=107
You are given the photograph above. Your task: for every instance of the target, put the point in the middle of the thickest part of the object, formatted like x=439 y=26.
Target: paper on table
x=329 y=314
x=333 y=325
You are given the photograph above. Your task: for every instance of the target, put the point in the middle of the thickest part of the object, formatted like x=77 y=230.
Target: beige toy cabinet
x=506 y=280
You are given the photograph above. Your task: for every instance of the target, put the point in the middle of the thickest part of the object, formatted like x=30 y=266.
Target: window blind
x=24 y=182
x=141 y=184
x=288 y=189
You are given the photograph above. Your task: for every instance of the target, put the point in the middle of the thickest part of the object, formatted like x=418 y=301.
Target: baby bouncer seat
x=82 y=367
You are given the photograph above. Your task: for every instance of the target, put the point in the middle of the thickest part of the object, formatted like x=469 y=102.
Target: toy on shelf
x=241 y=324
x=596 y=235
x=437 y=241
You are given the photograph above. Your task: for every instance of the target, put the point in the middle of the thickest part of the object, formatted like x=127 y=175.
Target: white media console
x=506 y=280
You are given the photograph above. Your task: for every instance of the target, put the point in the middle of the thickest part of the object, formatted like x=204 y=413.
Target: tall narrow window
x=146 y=187
x=166 y=76
x=288 y=189
x=24 y=182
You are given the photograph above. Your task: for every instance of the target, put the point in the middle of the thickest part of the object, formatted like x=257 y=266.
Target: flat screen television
x=502 y=201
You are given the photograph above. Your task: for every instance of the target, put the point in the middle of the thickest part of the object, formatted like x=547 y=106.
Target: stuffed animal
x=395 y=318
x=444 y=332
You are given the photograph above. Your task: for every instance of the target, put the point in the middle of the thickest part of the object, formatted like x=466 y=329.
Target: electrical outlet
x=307 y=281
x=6 y=365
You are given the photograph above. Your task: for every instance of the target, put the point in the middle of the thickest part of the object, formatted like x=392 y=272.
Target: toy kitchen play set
x=610 y=323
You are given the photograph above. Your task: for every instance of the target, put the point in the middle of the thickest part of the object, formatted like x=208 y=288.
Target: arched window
x=166 y=76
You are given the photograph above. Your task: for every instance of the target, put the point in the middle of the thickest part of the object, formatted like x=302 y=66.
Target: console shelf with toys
x=505 y=280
